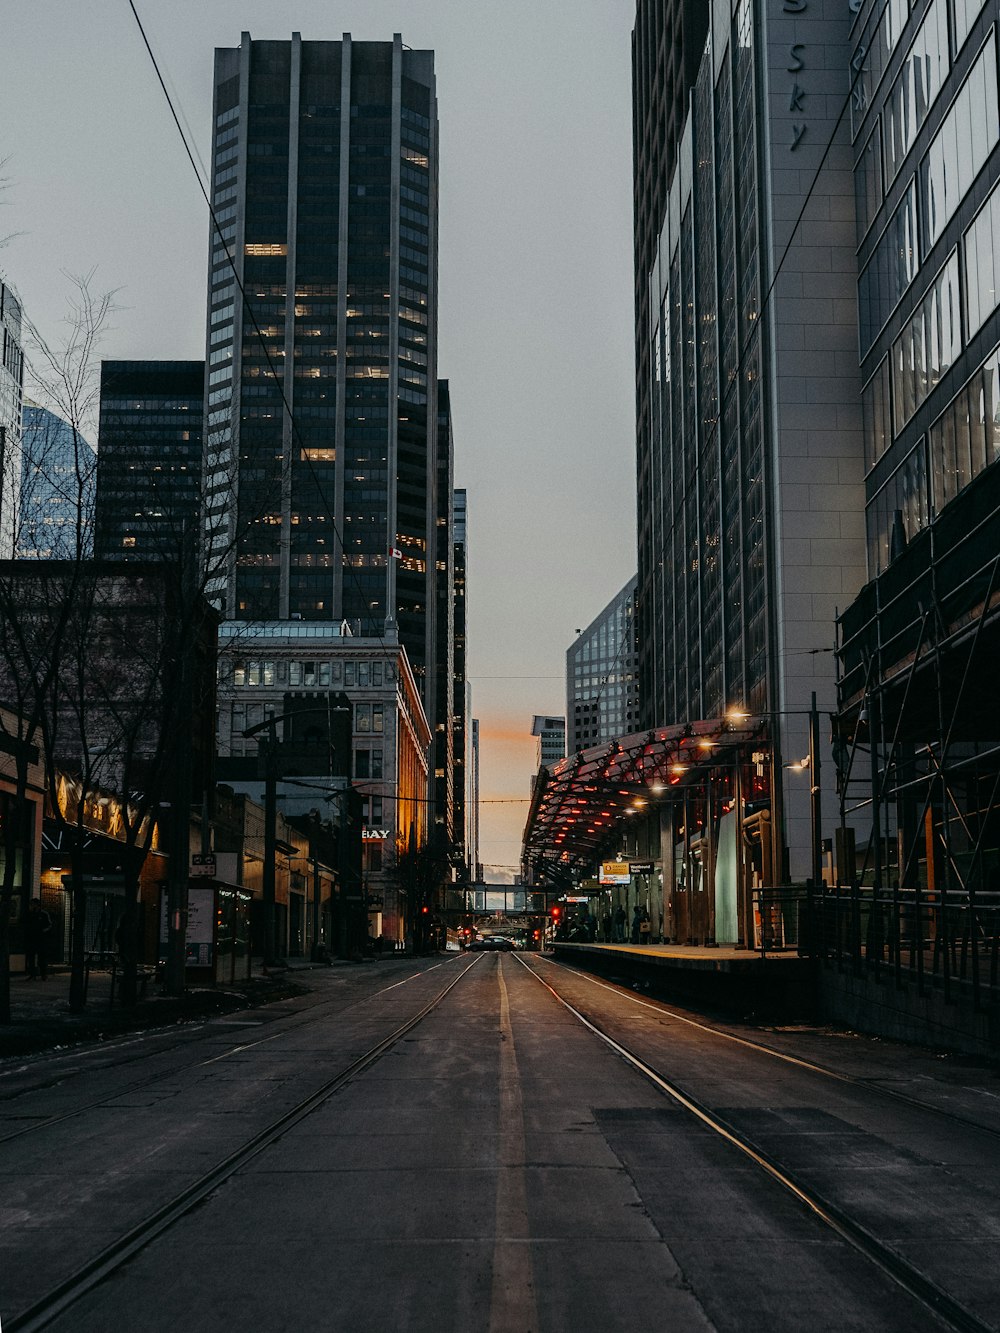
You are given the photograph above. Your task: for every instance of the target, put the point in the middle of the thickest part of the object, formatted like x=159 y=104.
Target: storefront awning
x=580 y=805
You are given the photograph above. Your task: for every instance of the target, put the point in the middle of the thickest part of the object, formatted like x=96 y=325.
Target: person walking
x=37 y=927
x=636 y=923
x=619 y=927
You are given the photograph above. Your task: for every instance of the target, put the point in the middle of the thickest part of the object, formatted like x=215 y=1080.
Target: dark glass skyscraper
x=149 y=459
x=322 y=420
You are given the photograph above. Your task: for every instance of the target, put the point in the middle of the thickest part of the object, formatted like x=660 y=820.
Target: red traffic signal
x=424 y=911
x=556 y=911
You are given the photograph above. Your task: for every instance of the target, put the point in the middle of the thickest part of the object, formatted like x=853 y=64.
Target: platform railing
x=946 y=941
x=779 y=919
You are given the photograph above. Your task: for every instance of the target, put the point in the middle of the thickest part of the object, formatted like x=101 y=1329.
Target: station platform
x=778 y=984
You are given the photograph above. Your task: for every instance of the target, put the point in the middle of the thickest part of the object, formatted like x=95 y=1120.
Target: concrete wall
x=876 y=1005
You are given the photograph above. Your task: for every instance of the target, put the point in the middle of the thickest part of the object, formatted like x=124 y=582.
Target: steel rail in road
x=939 y=1302
x=893 y=1094
x=294 y=1021
x=42 y=1312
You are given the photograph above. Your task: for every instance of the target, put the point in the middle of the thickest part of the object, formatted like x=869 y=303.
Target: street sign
x=203 y=867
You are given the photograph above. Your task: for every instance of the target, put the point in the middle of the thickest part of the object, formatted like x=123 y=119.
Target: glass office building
x=919 y=645
x=601 y=676
x=149 y=459
x=926 y=126
x=58 y=480
x=322 y=422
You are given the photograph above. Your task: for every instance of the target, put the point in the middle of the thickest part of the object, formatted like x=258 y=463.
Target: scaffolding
x=917 y=751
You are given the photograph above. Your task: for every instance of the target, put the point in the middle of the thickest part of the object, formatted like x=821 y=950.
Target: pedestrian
x=607 y=928
x=37 y=927
x=619 y=927
x=636 y=923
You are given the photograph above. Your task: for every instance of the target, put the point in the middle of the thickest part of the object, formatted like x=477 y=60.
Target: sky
x=535 y=316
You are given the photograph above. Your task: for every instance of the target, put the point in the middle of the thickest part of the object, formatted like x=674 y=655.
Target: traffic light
x=425 y=910
x=556 y=912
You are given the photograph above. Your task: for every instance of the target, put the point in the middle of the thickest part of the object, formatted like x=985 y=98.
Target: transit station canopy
x=581 y=802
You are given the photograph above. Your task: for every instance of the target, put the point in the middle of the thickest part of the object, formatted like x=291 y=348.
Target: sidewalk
x=41 y=1018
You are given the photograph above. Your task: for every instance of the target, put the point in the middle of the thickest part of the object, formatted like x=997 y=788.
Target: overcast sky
x=535 y=277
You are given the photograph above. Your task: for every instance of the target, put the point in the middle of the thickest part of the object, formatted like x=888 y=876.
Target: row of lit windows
x=308 y=674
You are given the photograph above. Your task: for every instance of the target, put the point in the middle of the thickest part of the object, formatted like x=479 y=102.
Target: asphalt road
x=482 y=1159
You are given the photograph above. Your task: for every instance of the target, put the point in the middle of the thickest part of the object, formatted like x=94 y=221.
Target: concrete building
x=149 y=460
x=58 y=483
x=278 y=668
x=602 y=676
x=11 y=401
x=750 y=458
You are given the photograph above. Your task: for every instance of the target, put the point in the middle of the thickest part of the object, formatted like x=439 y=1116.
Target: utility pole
x=815 y=796
x=268 y=748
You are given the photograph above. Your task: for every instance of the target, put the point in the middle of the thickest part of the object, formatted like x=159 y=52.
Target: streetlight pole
x=815 y=796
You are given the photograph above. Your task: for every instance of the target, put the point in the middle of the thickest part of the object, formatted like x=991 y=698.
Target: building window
x=919 y=81
x=961 y=146
x=928 y=344
x=965 y=439
x=982 y=264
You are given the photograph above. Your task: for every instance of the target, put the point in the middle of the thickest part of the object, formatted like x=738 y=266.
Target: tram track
x=290 y=1024
x=949 y=1311
x=811 y=1066
x=41 y=1313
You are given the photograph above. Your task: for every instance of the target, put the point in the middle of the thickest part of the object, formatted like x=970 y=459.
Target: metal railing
x=779 y=916
x=946 y=941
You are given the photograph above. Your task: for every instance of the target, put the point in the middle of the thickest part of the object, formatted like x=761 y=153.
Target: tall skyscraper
x=322 y=420
x=750 y=460
x=149 y=459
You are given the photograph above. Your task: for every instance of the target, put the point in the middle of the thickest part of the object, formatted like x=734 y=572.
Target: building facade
x=446 y=831
x=11 y=402
x=322 y=340
x=461 y=710
x=750 y=460
x=273 y=668
x=551 y=740
x=602 y=699
x=918 y=646
x=58 y=483
x=149 y=460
